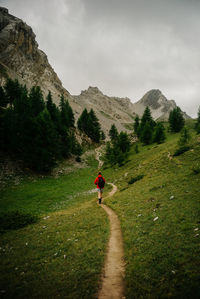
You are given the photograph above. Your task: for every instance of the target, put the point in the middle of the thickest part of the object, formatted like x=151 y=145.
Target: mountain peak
x=91 y=91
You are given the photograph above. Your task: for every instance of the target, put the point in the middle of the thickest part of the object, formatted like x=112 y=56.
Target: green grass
x=60 y=256
x=161 y=254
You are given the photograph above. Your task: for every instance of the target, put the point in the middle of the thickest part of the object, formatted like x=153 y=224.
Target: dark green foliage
x=176 y=120
x=197 y=124
x=135 y=179
x=147 y=118
x=88 y=123
x=146 y=127
x=66 y=113
x=38 y=133
x=53 y=110
x=185 y=137
x=159 y=133
x=123 y=142
x=12 y=90
x=146 y=134
x=113 y=133
x=136 y=125
x=16 y=220
x=45 y=150
x=181 y=150
x=196 y=169
x=93 y=127
x=36 y=100
x=117 y=151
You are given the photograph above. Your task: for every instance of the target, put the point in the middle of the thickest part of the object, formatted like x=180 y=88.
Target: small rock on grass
x=156 y=218
x=171 y=197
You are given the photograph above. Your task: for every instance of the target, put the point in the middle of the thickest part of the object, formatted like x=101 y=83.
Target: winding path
x=112 y=285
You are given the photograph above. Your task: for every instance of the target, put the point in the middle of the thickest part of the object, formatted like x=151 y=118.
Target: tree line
x=37 y=131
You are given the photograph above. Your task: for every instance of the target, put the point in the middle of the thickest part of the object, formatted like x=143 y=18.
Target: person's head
x=99 y=173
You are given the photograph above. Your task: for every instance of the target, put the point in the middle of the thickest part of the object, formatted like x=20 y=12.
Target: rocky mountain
x=158 y=103
x=21 y=58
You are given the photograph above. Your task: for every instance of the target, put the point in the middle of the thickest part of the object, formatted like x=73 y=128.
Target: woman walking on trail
x=100 y=182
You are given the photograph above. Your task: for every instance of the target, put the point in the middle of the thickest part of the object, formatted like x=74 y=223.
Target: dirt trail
x=112 y=285
x=98 y=155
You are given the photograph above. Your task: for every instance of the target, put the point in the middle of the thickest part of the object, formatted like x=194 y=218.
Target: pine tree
x=146 y=117
x=82 y=121
x=159 y=133
x=113 y=133
x=147 y=125
x=147 y=134
x=53 y=110
x=94 y=127
x=36 y=100
x=184 y=137
x=12 y=90
x=136 y=125
x=66 y=113
x=45 y=148
x=123 y=142
x=176 y=120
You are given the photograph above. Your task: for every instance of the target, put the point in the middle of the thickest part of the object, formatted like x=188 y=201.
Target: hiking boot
x=99 y=200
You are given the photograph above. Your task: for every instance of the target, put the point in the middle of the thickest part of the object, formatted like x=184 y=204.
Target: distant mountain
x=20 y=58
x=158 y=103
x=109 y=110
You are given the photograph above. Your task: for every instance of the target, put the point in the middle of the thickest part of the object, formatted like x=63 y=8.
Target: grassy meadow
x=158 y=206
x=61 y=254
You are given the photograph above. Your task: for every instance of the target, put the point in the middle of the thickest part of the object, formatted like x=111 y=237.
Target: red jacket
x=96 y=181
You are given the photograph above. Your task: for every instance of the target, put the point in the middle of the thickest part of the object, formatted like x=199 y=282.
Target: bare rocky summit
x=160 y=106
x=20 y=58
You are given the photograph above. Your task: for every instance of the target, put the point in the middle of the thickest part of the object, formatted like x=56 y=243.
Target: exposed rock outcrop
x=21 y=58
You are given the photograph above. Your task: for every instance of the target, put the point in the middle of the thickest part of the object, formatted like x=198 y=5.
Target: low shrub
x=181 y=150
x=16 y=220
x=135 y=179
x=196 y=169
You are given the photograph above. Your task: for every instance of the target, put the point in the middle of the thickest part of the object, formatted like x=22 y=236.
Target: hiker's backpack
x=100 y=182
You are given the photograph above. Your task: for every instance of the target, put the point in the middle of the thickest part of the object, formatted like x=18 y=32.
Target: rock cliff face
x=21 y=58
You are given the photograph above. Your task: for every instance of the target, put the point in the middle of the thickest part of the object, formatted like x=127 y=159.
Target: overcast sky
x=124 y=47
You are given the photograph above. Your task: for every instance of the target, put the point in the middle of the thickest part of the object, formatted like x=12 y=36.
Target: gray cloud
x=124 y=47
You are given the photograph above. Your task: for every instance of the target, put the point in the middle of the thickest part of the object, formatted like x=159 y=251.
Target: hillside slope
x=159 y=215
